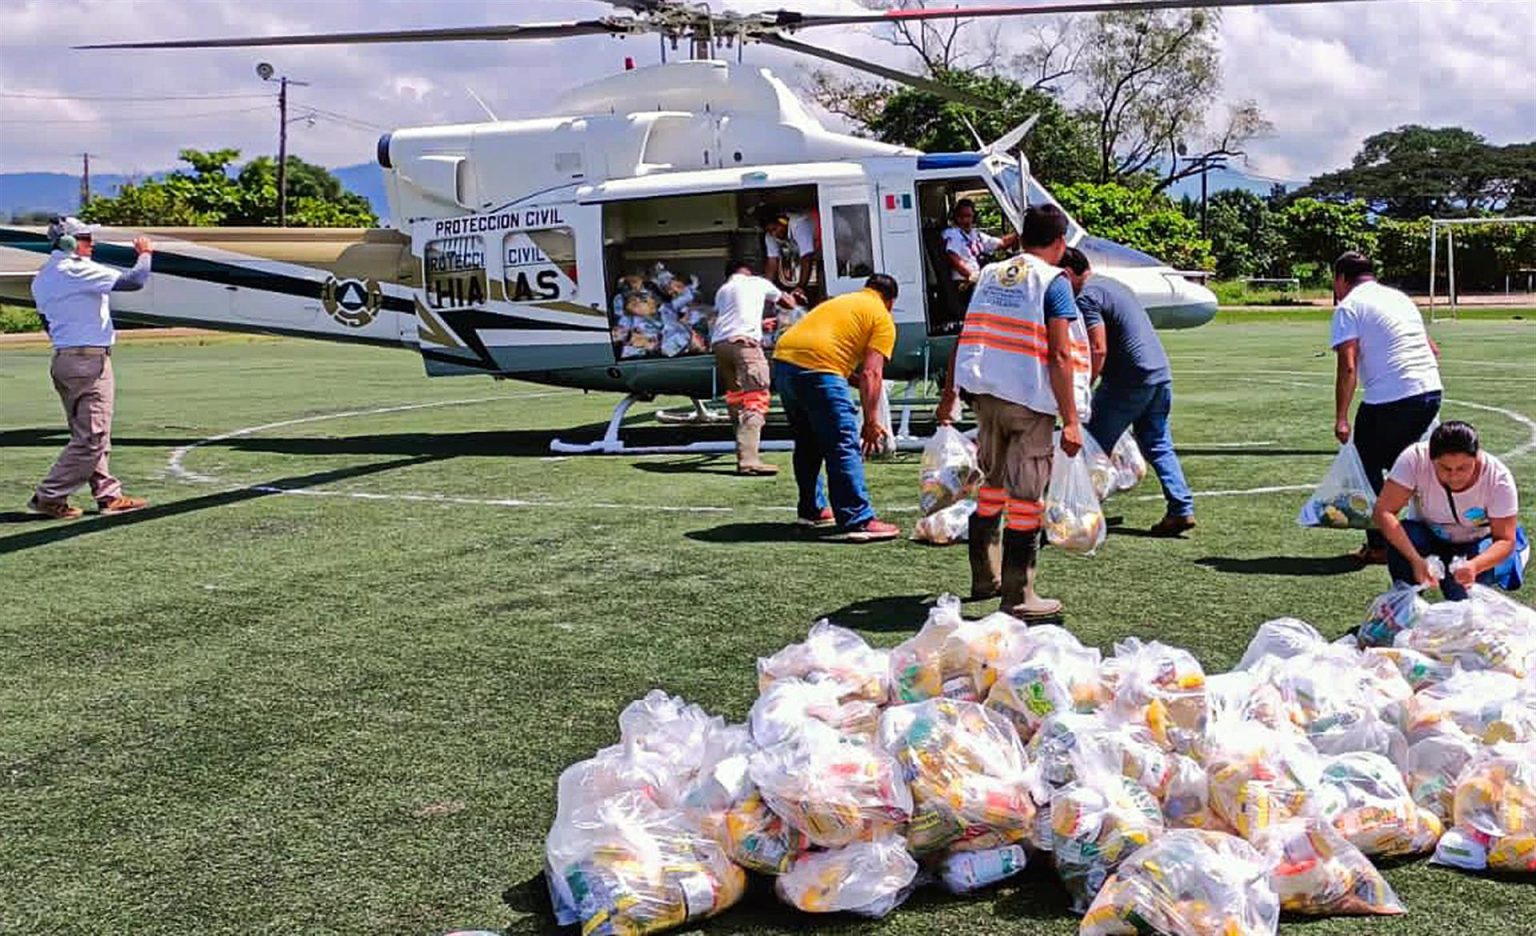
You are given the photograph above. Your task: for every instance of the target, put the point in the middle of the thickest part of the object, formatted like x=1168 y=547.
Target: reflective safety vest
x=1003 y=348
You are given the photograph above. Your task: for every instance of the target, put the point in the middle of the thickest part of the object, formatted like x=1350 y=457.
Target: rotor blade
x=451 y=34
x=789 y=19
x=894 y=74
x=1013 y=137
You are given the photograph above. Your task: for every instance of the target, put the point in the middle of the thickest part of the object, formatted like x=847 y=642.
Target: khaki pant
x=743 y=367
x=1014 y=448
x=86 y=388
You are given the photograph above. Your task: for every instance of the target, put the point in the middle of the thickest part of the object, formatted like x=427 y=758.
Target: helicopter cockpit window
x=853 y=244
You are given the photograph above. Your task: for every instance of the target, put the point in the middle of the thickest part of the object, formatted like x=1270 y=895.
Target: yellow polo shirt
x=834 y=337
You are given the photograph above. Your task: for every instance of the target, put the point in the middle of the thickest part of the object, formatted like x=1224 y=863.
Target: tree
x=1415 y=171
x=1248 y=238
x=1147 y=80
x=1138 y=218
x=209 y=195
x=1316 y=232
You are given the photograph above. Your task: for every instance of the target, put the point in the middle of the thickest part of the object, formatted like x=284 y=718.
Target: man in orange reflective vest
x=1023 y=359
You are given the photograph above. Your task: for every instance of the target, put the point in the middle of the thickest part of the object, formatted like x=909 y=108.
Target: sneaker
x=56 y=510
x=872 y=531
x=1172 y=526
x=121 y=504
x=819 y=522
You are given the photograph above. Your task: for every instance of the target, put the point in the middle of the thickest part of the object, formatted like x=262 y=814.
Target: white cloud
x=1326 y=76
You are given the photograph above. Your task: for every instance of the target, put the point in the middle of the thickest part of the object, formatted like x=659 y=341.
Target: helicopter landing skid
x=611 y=444
x=702 y=415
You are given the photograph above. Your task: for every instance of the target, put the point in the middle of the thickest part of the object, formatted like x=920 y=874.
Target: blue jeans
x=1383 y=431
x=825 y=425
x=1144 y=410
x=1508 y=575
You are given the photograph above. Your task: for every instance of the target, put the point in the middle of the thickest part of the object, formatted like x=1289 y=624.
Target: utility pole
x=85 y=179
x=265 y=73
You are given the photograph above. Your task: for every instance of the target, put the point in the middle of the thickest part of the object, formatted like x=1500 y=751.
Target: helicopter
x=582 y=249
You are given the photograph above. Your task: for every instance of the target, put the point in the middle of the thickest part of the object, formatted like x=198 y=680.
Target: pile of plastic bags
x=1166 y=799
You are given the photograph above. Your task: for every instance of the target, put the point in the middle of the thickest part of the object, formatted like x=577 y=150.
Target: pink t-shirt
x=1491 y=497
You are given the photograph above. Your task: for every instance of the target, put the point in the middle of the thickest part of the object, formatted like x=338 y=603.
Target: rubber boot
x=985 y=538
x=1021 y=553
x=749 y=434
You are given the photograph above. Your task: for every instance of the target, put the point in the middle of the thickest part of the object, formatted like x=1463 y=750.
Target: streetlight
x=264 y=71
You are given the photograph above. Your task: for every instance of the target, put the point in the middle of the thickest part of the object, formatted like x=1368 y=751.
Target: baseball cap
x=69 y=226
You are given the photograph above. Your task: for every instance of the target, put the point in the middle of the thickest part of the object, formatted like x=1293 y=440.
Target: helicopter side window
x=853 y=243
x=540 y=266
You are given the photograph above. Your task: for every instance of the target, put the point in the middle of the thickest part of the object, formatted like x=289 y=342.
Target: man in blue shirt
x=1135 y=384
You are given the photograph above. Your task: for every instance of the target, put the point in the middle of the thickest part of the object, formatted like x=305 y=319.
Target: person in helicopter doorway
x=1468 y=515
x=966 y=245
x=791 y=244
x=737 y=340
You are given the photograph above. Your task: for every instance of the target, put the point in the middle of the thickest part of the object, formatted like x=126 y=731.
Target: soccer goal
x=1453 y=296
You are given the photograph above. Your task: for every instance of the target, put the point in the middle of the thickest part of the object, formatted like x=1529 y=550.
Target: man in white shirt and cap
x=70 y=292
x=791 y=245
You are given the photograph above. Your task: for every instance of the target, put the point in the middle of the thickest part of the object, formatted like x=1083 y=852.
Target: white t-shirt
x=969 y=247
x=1491 y=497
x=802 y=237
x=71 y=293
x=739 y=307
x=1395 y=359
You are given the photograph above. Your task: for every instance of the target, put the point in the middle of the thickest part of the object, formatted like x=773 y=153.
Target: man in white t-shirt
x=1381 y=343
x=966 y=246
x=791 y=239
x=70 y=292
x=1467 y=509
x=737 y=338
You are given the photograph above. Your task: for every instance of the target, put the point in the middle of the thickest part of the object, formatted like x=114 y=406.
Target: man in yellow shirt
x=812 y=364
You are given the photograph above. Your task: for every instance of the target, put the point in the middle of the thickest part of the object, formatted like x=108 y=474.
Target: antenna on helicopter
x=483 y=106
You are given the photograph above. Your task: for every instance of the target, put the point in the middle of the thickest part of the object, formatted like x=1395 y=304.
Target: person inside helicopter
x=966 y=246
x=791 y=245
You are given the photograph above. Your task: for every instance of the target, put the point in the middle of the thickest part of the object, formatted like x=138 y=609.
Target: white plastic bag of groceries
x=1073 y=517
x=1130 y=464
x=948 y=473
x=1100 y=468
x=869 y=878
x=945 y=527
x=1344 y=500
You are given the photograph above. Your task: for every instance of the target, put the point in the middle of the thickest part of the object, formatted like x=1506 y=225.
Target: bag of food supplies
x=1161 y=687
x=1365 y=798
x=1344 y=500
x=1101 y=470
x=833 y=789
x=867 y=878
x=1053 y=678
x=624 y=865
x=1097 y=820
x=948 y=473
x=945 y=527
x=1260 y=776
x=1130 y=464
x=1495 y=813
x=1317 y=872
x=1073 y=518
x=787 y=705
x=1187 y=881
x=831 y=653
x=967 y=772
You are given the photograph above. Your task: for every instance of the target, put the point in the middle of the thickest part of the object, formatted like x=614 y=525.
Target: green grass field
x=344 y=710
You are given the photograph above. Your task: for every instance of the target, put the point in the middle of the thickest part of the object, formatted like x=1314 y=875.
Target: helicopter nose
x=1193 y=304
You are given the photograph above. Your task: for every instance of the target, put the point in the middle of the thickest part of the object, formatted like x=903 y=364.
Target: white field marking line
x=1530 y=424
x=175 y=468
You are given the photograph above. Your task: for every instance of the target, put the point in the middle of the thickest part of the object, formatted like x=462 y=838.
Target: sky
x=1325 y=76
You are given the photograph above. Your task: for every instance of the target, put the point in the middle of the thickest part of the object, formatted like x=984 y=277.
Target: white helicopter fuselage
x=514 y=240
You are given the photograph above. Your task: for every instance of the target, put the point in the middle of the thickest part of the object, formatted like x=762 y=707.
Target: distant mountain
x=22 y=192
x=1220 y=179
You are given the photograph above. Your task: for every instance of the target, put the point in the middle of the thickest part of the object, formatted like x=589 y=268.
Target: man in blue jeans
x=1135 y=384
x=812 y=364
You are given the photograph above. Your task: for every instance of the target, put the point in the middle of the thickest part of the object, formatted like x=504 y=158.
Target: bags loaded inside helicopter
x=667 y=258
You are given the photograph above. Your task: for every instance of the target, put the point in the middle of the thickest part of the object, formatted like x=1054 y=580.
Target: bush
x=15 y=320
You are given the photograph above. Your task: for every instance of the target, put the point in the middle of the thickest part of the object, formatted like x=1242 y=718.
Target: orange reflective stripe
x=988 y=510
x=988 y=495
x=1002 y=343
x=755 y=401
x=1005 y=323
x=1023 y=524
x=1025 y=507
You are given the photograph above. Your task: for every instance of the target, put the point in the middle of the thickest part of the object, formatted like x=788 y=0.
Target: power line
x=130 y=98
x=139 y=118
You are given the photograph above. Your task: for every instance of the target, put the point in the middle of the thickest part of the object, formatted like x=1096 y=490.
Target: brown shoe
x=1172 y=526
x=759 y=470
x=54 y=510
x=121 y=504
